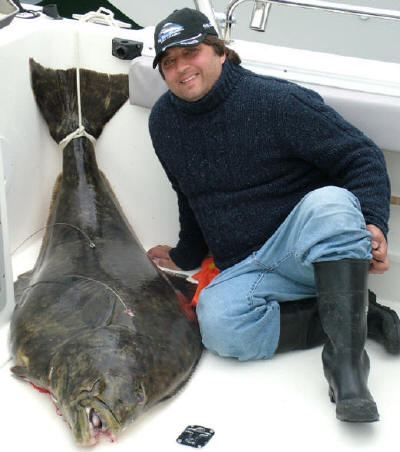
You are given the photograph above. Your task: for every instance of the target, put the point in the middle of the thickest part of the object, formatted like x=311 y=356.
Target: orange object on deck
x=207 y=273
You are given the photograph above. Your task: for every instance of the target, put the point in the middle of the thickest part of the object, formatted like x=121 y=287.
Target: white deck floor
x=276 y=405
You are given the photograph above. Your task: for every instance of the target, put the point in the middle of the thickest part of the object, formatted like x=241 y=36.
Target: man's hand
x=160 y=256
x=380 y=262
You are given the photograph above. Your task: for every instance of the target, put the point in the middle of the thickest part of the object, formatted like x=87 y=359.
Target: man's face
x=190 y=72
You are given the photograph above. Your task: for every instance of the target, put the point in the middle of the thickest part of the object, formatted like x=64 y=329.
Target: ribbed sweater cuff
x=187 y=260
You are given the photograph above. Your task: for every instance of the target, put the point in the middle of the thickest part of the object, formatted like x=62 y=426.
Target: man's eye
x=167 y=62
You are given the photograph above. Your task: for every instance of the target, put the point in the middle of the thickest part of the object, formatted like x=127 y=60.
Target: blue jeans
x=238 y=311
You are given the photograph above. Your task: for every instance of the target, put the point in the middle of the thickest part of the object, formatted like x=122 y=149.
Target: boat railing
x=206 y=7
x=262 y=8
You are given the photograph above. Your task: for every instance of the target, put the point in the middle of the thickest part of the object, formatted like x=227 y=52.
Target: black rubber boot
x=300 y=325
x=383 y=325
x=342 y=303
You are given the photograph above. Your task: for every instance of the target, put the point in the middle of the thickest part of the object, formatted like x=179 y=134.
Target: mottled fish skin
x=96 y=323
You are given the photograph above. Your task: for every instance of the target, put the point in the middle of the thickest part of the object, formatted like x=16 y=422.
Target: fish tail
x=55 y=92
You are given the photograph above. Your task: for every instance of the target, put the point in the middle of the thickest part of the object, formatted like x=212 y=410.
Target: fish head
x=97 y=384
x=105 y=410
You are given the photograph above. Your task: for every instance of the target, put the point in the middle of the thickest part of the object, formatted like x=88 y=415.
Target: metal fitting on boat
x=259 y=16
x=126 y=49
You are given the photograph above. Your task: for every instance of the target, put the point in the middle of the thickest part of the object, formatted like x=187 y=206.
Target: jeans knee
x=215 y=329
x=238 y=332
x=335 y=205
x=332 y=195
x=333 y=226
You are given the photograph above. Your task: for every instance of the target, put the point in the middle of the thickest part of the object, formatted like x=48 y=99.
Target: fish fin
x=183 y=382
x=56 y=95
x=55 y=191
x=21 y=284
x=52 y=204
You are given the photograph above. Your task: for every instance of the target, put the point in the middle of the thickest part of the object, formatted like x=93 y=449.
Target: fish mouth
x=93 y=422
x=97 y=427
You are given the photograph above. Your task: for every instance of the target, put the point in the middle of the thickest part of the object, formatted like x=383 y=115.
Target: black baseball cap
x=183 y=28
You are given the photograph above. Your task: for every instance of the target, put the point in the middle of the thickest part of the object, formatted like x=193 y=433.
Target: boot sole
x=355 y=410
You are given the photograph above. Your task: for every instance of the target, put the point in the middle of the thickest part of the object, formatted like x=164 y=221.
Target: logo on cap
x=169 y=30
x=188 y=42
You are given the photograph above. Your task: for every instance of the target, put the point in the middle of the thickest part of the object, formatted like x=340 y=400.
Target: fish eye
x=140 y=393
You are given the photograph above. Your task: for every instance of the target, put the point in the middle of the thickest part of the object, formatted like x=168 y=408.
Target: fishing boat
x=279 y=404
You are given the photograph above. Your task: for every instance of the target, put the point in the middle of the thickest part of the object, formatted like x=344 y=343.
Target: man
x=290 y=199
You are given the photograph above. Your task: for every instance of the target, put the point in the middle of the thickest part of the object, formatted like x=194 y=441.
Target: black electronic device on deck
x=195 y=436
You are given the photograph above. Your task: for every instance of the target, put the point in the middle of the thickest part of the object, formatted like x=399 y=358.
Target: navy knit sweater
x=244 y=155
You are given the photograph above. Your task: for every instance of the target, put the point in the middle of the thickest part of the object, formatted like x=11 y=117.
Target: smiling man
x=291 y=200
x=191 y=72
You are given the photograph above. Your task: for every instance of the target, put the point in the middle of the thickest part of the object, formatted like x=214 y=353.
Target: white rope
x=102 y=16
x=79 y=132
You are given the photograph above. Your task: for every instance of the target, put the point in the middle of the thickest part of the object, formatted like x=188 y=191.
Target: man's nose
x=181 y=63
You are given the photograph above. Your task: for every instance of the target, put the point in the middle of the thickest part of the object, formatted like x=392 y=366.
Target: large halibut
x=96 y=324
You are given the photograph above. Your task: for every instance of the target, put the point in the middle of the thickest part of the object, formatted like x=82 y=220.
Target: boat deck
x=280 y=404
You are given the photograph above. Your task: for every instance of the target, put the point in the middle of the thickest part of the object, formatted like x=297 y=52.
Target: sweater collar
x=227 y=81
